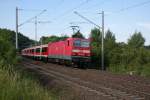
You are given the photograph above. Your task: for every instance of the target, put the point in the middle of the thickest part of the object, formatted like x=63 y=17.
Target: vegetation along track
x=105 y=85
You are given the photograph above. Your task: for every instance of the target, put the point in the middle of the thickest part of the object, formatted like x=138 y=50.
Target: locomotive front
x=81 y=51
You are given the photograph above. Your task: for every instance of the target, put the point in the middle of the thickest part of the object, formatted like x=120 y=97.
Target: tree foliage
x=110 y=53
x=136 y=40
x=95 y=37
x=9 y=35
x=7 y=52
x=121 y=57
x=110 y=47
x=52 y=38
x=110 y=40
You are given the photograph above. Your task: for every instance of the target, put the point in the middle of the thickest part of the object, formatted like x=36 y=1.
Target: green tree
x=7 y=52
x=52 y=38
x=63 y=37
x=23 y=41
x=78 y=34
x=109 y=46
x=46 y=40
x=136 y=40
x=110 y=40
x=95 y=37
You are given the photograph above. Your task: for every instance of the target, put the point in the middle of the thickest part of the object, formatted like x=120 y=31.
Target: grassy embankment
x=18 y=86
x=136 y=70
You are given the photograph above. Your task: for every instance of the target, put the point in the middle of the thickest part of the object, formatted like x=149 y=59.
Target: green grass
x=135 y=70
x=15 y=87
x=146 y=71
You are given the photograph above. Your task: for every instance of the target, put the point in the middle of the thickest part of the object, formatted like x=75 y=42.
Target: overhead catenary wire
x=126 y=8
x=136 y=5
x=97 y=5
x=78 y=22
x=131 y=7
x=30 y=10
x=86 y=19
x=40 y=22
x=71 y=10
x=60 y=30
x=31 y=18
x=61 y=2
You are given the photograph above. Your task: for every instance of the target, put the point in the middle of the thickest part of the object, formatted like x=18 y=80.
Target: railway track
x=113 y=81
x=99 y=90
x=130 y=85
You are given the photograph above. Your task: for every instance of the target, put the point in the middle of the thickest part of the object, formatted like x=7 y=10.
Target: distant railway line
x=102 y=85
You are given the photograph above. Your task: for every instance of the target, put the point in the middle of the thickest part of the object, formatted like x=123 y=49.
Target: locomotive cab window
x=77 y=43
x=85 y=43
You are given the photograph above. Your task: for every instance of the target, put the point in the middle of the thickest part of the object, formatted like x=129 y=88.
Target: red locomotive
x=70 y=51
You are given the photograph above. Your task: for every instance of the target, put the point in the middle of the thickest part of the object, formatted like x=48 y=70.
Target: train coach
x=70 y=51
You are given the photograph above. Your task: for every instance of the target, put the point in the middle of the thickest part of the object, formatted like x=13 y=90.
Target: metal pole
x=35 y=30
x=35 y=35
x=16 y=27
x=102 y=39
x=102 y=48
x=41 y=50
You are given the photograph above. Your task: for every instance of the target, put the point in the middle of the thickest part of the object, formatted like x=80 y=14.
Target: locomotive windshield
x=85 y=44
x=79 y=43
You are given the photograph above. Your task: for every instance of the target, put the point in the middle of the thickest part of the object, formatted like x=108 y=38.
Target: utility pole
x=16 y=27
x=36 y=22
x=102 y=51
x=19 y=25
x=35 y=30
x=102 y=38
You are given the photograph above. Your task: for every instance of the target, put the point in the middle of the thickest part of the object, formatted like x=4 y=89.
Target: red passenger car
x=37 y=52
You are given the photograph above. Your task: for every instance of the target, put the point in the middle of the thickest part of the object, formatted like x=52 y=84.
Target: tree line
x=121 y=57
x=23 y=41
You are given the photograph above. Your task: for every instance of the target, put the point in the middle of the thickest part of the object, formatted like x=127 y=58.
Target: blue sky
x=60 y=13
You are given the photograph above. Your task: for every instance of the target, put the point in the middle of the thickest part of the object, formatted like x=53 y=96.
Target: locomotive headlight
x=86 y=51
x=75 y=50
x=83 y=51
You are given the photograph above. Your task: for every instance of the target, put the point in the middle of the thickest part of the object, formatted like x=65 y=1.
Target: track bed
x=95 y=84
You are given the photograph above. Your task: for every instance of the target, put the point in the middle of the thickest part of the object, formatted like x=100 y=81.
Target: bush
x=7 y=53
x=17 y=88
x=117 y=68
x=146 y=70
x=13 y=84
